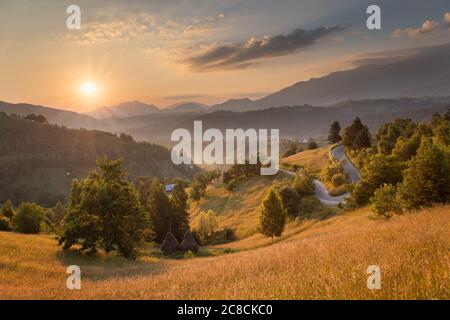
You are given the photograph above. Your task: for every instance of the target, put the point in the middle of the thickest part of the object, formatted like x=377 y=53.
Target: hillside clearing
x=326 y=261
x=312 y=160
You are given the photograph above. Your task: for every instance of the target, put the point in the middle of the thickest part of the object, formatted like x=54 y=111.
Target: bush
x=385 y=201
x=338 y=179
x=5 y=224
x=28 y=218
x=233 y=183
x=312 y=145
x=304 y=185
x=290 y=199
x=8 y=209
x=308 y=205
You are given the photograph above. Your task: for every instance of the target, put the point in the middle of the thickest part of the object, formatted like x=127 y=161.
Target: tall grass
x=328 y=260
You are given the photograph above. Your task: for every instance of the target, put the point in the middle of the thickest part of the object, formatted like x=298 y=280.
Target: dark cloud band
x=242 y=55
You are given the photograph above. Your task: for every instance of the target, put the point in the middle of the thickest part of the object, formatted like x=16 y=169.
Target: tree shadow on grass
x=103 y=266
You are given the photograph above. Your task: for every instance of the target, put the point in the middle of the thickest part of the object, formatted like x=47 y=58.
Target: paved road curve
x=321 y=191
x=339 y=154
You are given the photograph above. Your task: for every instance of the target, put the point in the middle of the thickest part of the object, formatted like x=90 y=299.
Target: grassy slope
x=312 y=160
x=327 y=260
x=238 y=209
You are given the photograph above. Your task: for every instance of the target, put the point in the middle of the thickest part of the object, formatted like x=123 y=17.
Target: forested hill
x=38 y=161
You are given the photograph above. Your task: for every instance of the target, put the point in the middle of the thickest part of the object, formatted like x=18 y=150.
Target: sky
x=165 y=52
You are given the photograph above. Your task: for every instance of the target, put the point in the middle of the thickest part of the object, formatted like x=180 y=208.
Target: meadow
x=326 y=259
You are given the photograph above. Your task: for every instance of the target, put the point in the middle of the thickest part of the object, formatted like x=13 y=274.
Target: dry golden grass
x=326 y=260
x=311 y=160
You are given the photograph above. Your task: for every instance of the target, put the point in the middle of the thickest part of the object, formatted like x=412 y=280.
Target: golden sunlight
x=88 y=88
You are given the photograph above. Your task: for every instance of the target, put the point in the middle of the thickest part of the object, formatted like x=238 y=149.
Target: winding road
x=321 y=191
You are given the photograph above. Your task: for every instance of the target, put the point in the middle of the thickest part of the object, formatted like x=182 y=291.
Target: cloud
x=126 y=27
x=428 y=29
x=245 y=54
x=447 y=18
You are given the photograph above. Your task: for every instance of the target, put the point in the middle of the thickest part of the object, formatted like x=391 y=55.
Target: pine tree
x=334 y=135
x=356 y=136
x=272 y=217
x=179 y=214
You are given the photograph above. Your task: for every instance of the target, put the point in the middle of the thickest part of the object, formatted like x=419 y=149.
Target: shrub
x=427 y=177
x=304 y=185
x=28 y=218
x=307 y=205
x=385 y=201
x=290 y=199
x=5 y=224
x=7 y=209
x=312 y=145
x=338 y=179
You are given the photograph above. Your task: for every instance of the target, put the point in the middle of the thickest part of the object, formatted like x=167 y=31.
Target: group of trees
x=45 y=155
x=27 y=218
x=201 y=182
x=239 y=172
x=408 y=168
x=335 y=174
x=356 y=136
x=107 y=211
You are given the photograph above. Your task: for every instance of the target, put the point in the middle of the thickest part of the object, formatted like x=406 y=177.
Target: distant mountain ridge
x=426 y=72
x=56 y=116
x=124 y=110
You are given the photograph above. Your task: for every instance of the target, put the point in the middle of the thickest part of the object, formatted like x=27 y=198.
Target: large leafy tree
x=105 y=212
x=272 y=218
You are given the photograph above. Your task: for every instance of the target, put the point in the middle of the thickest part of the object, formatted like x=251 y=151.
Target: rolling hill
x=55 y=116
x=325 y=260
x=39 y=161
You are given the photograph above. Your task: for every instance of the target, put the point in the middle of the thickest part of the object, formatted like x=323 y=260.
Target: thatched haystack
x=170 y=244
x=189 y=243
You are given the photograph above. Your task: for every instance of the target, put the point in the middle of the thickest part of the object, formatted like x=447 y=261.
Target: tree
x=291 y=201
x=427 y=178
x=385 y=201
x=334 y=136
x=388 y=134
x=179 y=213
x=158 y=206
x=356 y=136
x=56 y=214
x=205 y=223
x=28 y=218
x=8 y=209
x=303 y=185
x=272 y=218
x=105 y=211
x=379 y=169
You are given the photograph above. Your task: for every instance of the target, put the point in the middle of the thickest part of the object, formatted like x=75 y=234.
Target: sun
x=88 y=88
